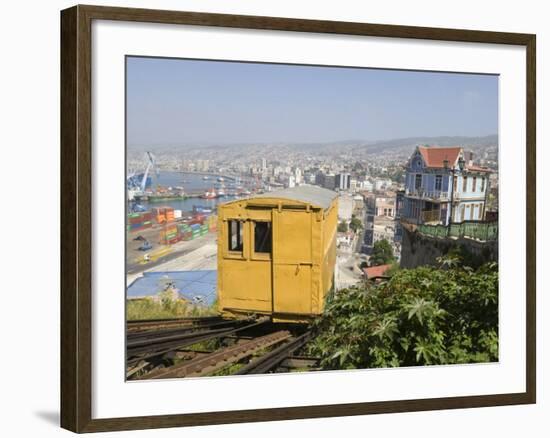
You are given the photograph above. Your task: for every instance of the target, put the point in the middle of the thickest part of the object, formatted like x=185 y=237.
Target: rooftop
x=198 y=287
x=376 y=271
x=435 y=156
x=313 y=195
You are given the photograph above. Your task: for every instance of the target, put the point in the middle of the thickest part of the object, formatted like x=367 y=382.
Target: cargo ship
x=166 y=197
x=160 y=197
x=209 y=194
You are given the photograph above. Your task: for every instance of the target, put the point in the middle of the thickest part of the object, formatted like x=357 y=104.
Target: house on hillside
x=375 y=273
x=443 y=186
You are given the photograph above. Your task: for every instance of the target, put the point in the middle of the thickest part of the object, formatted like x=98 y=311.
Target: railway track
x=146 y=346
x=159 y=324
x=220 y=359
x=273 y=359
x=168 y=348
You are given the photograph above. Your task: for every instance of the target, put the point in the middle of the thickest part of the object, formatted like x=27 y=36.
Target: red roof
x=376 y=271
x=434 y=156
x=478 y=168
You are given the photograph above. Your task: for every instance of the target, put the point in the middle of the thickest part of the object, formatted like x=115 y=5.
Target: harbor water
x=191 y=183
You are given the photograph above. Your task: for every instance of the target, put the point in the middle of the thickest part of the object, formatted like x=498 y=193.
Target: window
x=482 y=184
x=438 y=179
x=455 y=184
x=418 y=181
x=235 y=235
x=464 y=183
x=474 y=184
x=262 y=237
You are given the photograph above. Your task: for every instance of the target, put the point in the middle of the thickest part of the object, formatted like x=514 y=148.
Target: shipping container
x=276 y=253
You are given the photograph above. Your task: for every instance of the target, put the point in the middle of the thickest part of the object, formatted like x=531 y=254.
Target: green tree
x=342 y=227
x=382 y=253
x=421 y=316
x=355 y=224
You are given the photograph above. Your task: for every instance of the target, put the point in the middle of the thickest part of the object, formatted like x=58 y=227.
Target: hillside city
x=371 y=179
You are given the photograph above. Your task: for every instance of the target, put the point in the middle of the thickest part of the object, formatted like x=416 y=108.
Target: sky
x=178 y=102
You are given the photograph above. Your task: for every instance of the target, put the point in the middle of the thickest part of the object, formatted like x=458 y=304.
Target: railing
x=483 y=231
x=424 y=194
x=431 y=216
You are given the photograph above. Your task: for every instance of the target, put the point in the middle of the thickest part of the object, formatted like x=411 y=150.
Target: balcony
x=431 y=216
x=436 y=195
x=475 y=230
x=423 y=217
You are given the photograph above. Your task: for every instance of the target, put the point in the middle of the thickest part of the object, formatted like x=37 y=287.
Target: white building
x=345 y=207
x=385 y=207
x=298 y=175
x=382 y=183
x=366 y=185
x=383 y=228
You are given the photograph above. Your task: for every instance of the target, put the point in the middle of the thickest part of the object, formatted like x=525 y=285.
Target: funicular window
x=235 y=235
x=262 y=237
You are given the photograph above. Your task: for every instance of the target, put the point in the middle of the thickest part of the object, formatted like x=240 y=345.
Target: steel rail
x=272 y=359
x=155 y=334
x=155 y=324
x=147 y=349
x=185 y=318
x=219 y=359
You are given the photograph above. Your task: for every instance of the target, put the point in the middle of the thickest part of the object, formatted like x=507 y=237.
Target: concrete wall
x=418 y=250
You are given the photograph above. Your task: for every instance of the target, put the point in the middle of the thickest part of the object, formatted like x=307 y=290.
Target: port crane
x=137 y=183
x=152 y=164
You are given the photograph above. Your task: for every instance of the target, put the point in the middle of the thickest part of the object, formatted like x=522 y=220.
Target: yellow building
x=276 y=253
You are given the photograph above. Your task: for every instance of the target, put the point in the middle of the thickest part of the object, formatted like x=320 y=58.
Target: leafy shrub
x=355 y=224
x=421 y=316
x=343 y=227
x=382 y=253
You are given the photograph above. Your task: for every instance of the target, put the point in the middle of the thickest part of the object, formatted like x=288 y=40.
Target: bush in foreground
x=421 y=316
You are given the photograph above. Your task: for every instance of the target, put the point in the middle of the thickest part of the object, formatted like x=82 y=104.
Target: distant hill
x=406 y=143
x=399 y=145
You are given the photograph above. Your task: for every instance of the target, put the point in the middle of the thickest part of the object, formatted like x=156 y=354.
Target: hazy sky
x=173 y=101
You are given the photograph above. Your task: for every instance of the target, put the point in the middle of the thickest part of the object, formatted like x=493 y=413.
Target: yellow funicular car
x=276 y=253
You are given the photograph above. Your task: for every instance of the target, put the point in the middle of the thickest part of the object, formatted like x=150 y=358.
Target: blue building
x=442 y=186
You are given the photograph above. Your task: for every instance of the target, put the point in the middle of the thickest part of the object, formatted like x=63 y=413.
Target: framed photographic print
x=270 y=218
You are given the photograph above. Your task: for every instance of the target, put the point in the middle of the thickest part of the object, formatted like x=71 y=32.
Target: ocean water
x=191 y=183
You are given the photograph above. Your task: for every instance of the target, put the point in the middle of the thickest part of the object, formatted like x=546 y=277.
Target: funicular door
x=292 y=261
x=258 y=278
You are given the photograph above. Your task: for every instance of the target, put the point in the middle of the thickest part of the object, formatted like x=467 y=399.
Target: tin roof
x=313 y=195
x=434 y=156
x=376 y=271
x=198 y=287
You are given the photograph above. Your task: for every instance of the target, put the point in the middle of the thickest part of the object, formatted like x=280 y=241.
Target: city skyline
x=176 y=102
